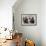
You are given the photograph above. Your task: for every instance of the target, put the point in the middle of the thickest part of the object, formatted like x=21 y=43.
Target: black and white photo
x=29 y=19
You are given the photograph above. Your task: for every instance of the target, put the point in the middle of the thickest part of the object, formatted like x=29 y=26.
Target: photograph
x=29 y=19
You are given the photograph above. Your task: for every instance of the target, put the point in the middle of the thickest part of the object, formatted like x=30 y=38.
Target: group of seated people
x=20 y=41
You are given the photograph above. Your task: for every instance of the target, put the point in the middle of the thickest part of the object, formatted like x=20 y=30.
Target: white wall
x=6 y=13
x=29 y=7
x=43 y=22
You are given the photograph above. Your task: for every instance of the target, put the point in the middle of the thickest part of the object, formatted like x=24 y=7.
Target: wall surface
x=28 y=7
x=43 y=22
x=6 y=13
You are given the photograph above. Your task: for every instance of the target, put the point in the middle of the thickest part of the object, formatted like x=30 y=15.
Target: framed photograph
x=29 y=19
